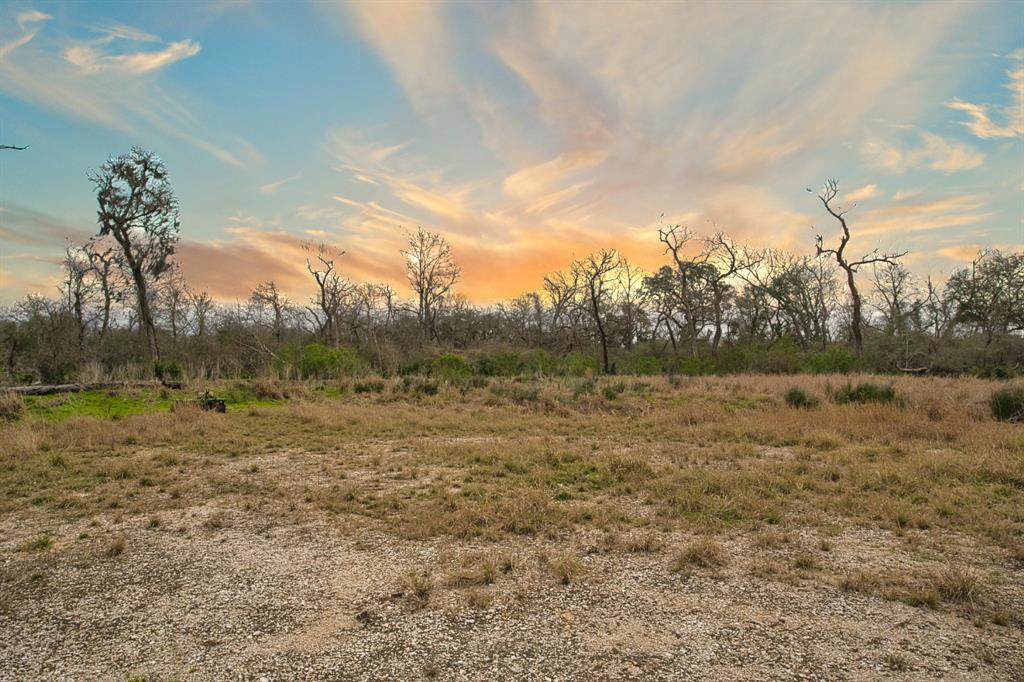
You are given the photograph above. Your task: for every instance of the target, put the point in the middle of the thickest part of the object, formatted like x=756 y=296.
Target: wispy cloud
x=272 y=187
x=91 y=59
x=99 y=81
x=934 y=152
x=981 y=124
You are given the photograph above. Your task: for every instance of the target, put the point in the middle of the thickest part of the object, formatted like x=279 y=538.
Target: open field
x=614 y=527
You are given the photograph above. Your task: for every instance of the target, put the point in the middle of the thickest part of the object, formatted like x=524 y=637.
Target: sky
x=528 y=134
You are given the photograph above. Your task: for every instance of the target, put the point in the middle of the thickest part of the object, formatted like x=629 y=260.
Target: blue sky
x=528 y=133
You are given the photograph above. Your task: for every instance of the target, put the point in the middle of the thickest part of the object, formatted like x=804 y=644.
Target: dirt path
x=251 y=600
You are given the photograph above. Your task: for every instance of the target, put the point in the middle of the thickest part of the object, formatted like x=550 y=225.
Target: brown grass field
x=646 y=528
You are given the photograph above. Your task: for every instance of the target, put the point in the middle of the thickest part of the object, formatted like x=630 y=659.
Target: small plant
x=643 y=543
x=1007 y=404
x=957 y=586
x=425 y=388
x=416 y=589
x=800 y=399
x=805 y=562
x=583 y=387
x=865 y=392
x=897 y=662
x=11 y=405
x=613 y=391
x=479 y=599
x=39 y=544
x=116 y=548
x=566 y=567
x=701 y=554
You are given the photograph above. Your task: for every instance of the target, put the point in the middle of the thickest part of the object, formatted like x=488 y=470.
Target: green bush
x=540 y=362
x=1000 y=372
x=799 y=398
x=318 y=361
x=506 y=364
x=833 y=361
x=613 y=391
x=865 y=392
x=578 y=364
x=450 y=367
x=693 y=367
x=167 y=370
x=642 y=364
x=371 y=386
x=1007 y=404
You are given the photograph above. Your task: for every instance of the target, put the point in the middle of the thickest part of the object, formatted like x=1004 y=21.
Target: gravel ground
x=243 y=599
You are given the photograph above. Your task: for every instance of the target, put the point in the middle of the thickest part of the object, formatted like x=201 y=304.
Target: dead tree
x=332 y=289
x=432 y=273
x=827 y=196
x=597 y=272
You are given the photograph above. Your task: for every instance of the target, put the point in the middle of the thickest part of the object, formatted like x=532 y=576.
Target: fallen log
x=77 y=388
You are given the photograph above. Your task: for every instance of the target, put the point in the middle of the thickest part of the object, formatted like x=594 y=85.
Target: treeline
x=125 y=312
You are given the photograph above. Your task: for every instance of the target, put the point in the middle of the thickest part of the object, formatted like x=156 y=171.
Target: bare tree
x=432 y=273
x=78 y=289
x=267 y=295
x=597 y=273
x=827 y=197
x=138 y=208
x=332 y=289
x=202 y=307
x=103 y=257
x=899 y=297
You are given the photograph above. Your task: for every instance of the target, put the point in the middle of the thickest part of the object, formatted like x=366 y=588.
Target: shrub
x=583 y=387
x=833 y=361
x=799 y=398
x=167 y=370
x=540 y=362
x=450 y=367
x=11 y=405
x=613 y=391
x=865 y=392
x=318 y=361
x=499 y=364
x=579 y=365
x=1000 y=372
x=373 y=386
x=1007 y=404
x=425 y=388
x=694 y=366
x=267 y=389
x=642 y=364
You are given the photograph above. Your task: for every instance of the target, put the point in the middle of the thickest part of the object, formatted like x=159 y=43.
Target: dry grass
x=705 y=553
x=502 y=459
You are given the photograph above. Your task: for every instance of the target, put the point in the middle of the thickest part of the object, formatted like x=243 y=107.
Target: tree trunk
x=858 y=339
x=145 y=315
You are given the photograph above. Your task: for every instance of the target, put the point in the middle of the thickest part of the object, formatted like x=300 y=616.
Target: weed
x=11 y=406
x=1007 y=404
x=957 y=585
x=643 y=542
x=40 y=544
x=799 y=398
x=416 y=587
x=865 y=392
x=705 y=553
x=566 y=567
